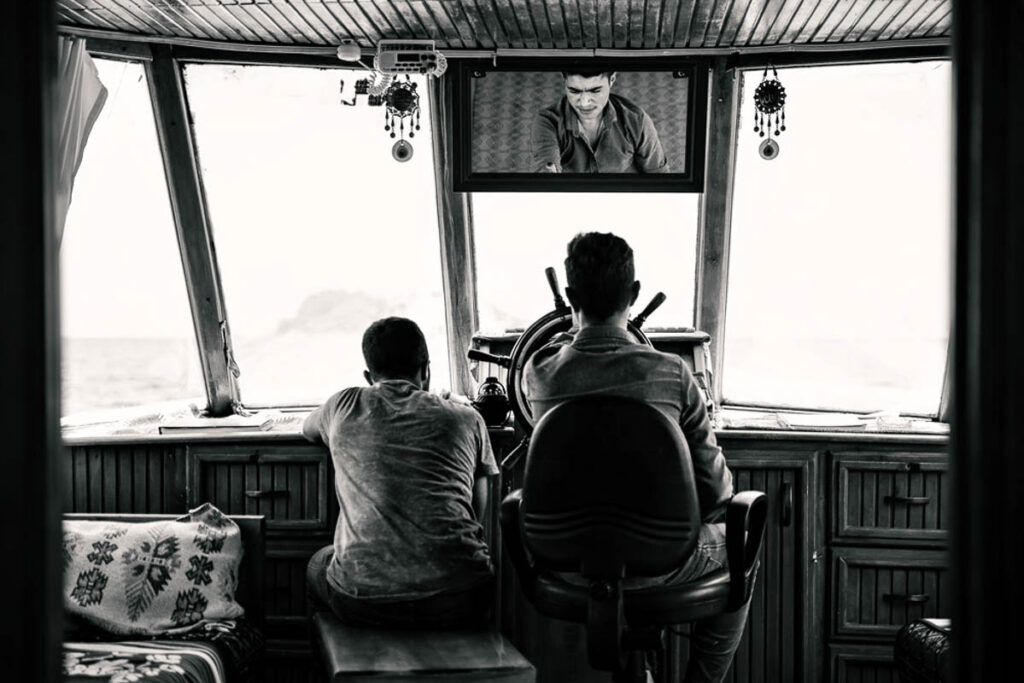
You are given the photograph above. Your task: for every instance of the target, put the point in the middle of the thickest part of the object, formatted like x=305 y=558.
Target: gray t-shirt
x=405 y=462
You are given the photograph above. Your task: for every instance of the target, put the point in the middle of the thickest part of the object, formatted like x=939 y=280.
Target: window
x=127 y=330
x=318 y=230
x=839 y=273
x=518 y=235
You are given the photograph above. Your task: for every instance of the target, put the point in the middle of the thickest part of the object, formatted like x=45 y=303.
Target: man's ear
x=425 y=375
x=368 y=376
x=570 y=294
x=636 y=292
x=611 y=79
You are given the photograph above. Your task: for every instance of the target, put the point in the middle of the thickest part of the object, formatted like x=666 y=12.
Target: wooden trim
x=188 y=204
x=32 y=482
x=119 y=49
x=988 y=401
x=454 y=222
x=713 y=234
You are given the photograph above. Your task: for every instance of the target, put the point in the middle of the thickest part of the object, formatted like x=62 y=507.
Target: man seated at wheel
x=603 y=358
x=411 y=474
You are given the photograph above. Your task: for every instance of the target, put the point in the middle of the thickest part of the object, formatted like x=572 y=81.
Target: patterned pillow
x=153 y=577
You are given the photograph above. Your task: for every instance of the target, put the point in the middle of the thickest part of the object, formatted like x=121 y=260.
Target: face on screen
x=587 y=95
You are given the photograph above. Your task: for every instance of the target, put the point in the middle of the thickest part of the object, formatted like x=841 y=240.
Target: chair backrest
x=609 y=490
x=249 y=593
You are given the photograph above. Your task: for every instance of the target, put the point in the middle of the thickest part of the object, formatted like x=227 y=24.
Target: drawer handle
x=909 y=500
x=272 y=493
x=913 y=599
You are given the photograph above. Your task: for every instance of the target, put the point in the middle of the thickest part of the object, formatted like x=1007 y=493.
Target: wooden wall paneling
x=912 y=20
x=30 y=348
x=716 y=23
x=743 y=27
x=81 y=16
x=311 y=23
x=223 y=21
x=716 y=213
x=698 y=25
x=460 y=17
x=875 y=15
x=574 y=29
x=556 y=21
x=339 y=24
x=538 y=12
x=188 y=206
x=520 y=30
x=245 y=15
x=652 y=23
x=370 y=19
x=619 y=23
x=856 y=663
x=788 y=14
x=845 y=21
x=287 y=23
x=635 y=31
x=124 y=19
x=670 y=12
x=454 y=217
x=416 y=27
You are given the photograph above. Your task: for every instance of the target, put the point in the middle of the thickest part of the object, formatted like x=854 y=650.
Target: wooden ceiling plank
x=716 y=24
x=926 y=24
x=439 y=27
x=502 y=34
x=296 y=23
x=525 y=21
x=876 y=16
x=473 y=36
x=743 y=15
x=908 y=10
x=391 y=14
x=605 y=33
x=700 y=20
x=325 y=35
x=791 y=16
x=124 y=20
x=635 y=27
x=244 y=17
x=227 y=23
x=539 y=11
x=557 y=22
x=588 y=21
x=177 y=16
x=193 y=17
x=573 y=24
x=339 y=29
x=267 y=21
x=942 y=27
x=652 y=23
x=87 y=17
x=356 y=24
x=411 y=20
x=914 y=20
x=842 y=28
x=769 y=15
x=619 y=13
x=669 y=16
x=802 y=36
x=372 y=13
x=871 y=30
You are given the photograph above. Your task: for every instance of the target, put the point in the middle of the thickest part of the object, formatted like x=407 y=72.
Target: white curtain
x=80 y=97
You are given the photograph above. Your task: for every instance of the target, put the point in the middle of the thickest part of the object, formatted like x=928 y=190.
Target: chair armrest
x=512 y=541
x=744 y=533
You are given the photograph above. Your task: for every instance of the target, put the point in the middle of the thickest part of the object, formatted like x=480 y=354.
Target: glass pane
x=127 y=331
x=518 y=235
x=839 y=285
x=319 y=231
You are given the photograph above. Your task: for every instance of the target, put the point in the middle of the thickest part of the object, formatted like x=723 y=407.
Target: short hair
x=587 y=72
x=394 y=347
x=599 y=268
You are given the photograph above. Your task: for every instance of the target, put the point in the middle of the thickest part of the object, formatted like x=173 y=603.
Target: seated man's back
x=405 y=462
x=410 y=474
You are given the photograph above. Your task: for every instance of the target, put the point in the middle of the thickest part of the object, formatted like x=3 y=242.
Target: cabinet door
x=290 y=485
x=781 y=640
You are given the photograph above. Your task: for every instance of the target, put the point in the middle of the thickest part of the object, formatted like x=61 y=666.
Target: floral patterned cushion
x=153 y=577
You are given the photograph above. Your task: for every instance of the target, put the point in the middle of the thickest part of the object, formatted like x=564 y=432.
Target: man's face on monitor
x=588 y=94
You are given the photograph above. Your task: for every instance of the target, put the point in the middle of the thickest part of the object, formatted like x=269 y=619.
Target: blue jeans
x=466 y=608
x=713 y=641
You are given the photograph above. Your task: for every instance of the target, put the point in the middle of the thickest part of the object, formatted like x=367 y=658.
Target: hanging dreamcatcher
x=770 y=103
x=402 y=102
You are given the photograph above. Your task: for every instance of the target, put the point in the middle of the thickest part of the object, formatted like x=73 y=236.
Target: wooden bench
x=357 y=654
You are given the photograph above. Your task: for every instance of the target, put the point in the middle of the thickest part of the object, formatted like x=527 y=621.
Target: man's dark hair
x=599 y=268
x=587 y=73
x=394 y=347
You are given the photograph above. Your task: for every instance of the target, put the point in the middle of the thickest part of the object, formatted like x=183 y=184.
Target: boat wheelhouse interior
x=208 y=201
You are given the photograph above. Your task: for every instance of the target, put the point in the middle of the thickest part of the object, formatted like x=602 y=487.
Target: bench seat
x=359 y=653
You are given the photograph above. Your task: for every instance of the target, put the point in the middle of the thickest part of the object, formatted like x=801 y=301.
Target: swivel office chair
x=609 y=493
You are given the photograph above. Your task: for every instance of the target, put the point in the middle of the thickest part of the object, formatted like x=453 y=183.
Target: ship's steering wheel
x=536 y=336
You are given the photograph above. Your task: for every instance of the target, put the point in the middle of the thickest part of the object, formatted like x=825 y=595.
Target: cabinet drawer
x=893 y=497
x=290 y=485
x=878 y=590
x=862 y=664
